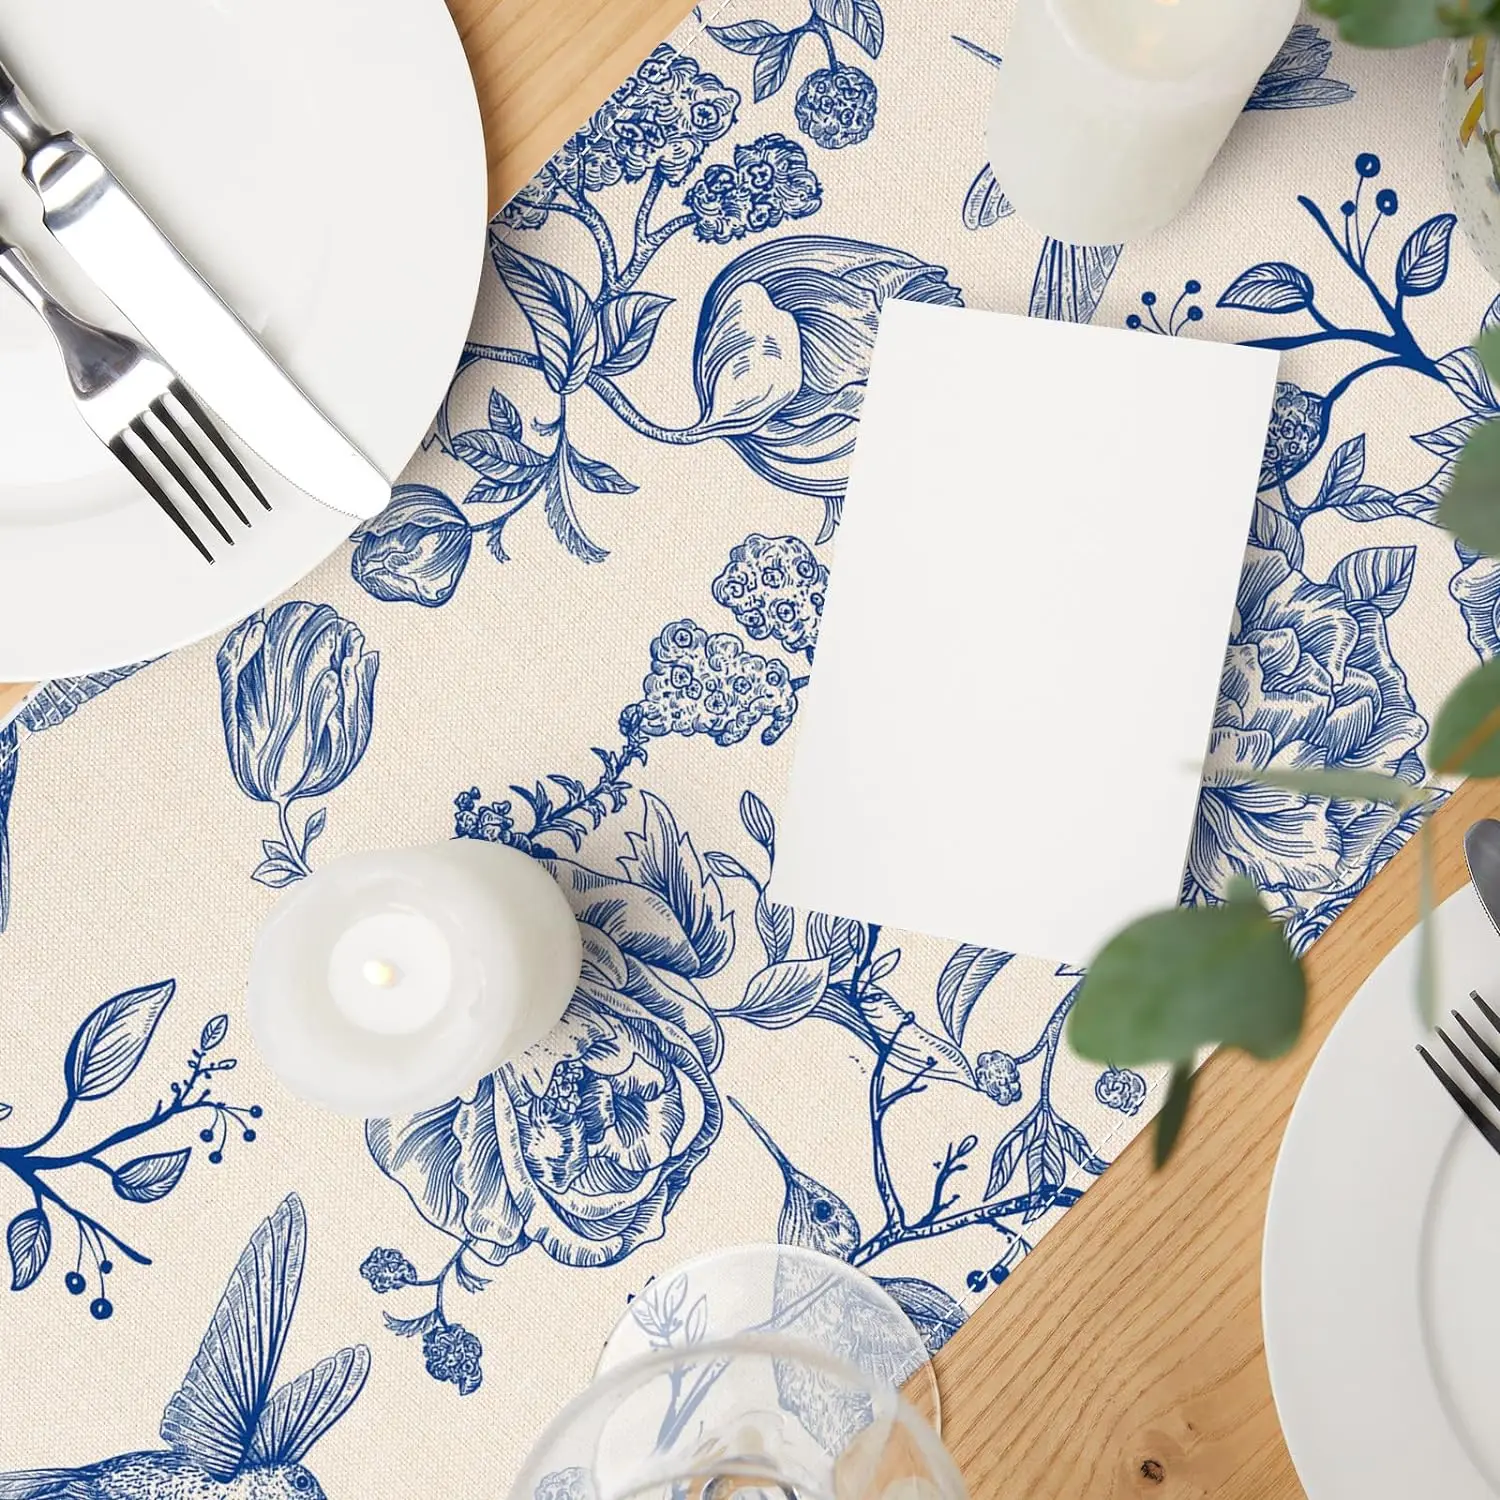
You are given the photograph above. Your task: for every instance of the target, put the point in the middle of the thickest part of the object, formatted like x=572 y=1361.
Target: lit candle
x=1108 y=113
x=392 y=981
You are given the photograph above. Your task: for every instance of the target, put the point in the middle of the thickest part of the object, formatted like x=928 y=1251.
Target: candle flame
x=377 y=972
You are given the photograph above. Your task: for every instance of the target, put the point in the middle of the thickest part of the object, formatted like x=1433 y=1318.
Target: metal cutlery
x=1482 y=855
x=1458 y=1064
x=137 y=267
x=140 y=410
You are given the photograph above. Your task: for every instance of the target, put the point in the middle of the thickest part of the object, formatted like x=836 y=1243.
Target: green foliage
x=1174 y=1110
x=1406 y=23
x=1466 y=735
x=1471 y=508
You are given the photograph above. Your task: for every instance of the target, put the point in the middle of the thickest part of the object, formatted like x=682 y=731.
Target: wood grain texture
x=1124 y=1357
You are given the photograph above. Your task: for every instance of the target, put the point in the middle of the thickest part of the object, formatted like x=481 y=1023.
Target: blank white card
x=1025 y=628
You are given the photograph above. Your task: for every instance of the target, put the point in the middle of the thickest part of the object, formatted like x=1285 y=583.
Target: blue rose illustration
x=1476 y=590
x=1309 y=681
x=836 y=106
x=415 y=550
x=1121 y=1088
x=783 y=351
x=297 y=693
x=769 y=183
x=584 y=1143
x=774 y=586
x=710 y=684
x=1299 y=424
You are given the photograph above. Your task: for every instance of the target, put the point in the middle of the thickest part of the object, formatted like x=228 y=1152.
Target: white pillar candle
x=1107 y=113
x=392 y=981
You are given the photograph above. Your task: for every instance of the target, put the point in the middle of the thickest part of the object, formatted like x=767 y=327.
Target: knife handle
x=17 y=117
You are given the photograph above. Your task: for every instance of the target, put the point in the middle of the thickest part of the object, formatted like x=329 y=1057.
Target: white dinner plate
x=1379 y=1278
x=322 y=162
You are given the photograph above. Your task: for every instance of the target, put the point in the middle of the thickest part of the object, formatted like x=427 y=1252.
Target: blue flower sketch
x=1297 y=77
x=297 y=693
x=1476 y=590
x=585 y=1143
x=108 y=1047
x=50 y=705
x=774 y=587
x=836 y=105
x=1121 y=1088
x=230 y=1430
x=1310 y=681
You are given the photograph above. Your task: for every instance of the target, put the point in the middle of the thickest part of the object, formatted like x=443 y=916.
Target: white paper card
x=1025 y=628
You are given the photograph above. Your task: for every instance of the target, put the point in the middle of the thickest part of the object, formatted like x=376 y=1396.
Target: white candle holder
x=1108 y=113
x=392 y=981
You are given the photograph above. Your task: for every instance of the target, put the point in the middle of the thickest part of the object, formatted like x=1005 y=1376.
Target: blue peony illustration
x=836 y=106
x=1476 y=590
x=297 y=691
x=1299 y=424
x=583 y=1144
x=710 y=684
x=774 y=587
x=1309 y=681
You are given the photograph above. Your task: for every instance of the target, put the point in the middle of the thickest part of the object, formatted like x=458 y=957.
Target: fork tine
x=1484 y=1048
x=164 y=416
x=141 y=428
x=147 y=481
x=1485 y=1010
x=189 y=404
x=1485 y=1087
x=1480 y=1121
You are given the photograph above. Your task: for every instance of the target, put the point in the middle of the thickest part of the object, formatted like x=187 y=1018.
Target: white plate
x=322 y=162
x=1379 y=1279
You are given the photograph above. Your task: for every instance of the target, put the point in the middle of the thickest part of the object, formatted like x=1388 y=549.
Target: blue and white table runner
x=584 y=628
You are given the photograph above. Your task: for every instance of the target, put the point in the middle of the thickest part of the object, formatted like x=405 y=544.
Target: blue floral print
x=1121 y=1088
x=297 y=691
x=769 y=183
x=774 y=587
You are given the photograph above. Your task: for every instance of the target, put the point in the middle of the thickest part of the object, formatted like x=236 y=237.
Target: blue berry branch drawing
x=620 y=1104
x=102 y=1057
x=836 y=105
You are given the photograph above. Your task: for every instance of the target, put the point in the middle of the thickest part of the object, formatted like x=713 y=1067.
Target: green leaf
x=1402 y=23
x=1471 y=508
x=1173 y=1112
x=1347 y=786
x=1192 y=977
x=1466 y=733
x=1487 y=347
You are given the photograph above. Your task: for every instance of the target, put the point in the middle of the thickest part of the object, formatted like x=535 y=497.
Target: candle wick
x=380 y=973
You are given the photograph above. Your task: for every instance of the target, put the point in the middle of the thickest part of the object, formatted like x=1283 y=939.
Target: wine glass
x=765 y=1372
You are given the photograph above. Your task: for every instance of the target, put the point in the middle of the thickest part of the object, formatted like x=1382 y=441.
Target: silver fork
x=1486 y=1082
x=137 y=407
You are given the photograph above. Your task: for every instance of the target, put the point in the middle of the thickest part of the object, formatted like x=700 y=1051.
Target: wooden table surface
x=1124 y=1356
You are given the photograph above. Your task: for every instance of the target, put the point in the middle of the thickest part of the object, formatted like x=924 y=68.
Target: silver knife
x=137 y=267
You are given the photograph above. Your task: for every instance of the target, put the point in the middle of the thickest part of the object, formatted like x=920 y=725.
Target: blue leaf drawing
x=596 y=475
x=1295 y=78
x=563 y=519
x=9 y=755
x=746 y=36
x=61 y=698
x=627 y=329
x=1071 y=280
x=1271 y=287
x=963 y=981
x=985 y=203
x=759 y=823
x=1272 y=530
x=933 y=1313
x=215 y=1029
x=860 y=20
x=773 y=64
x=1465 y=376
x=1423 y=264
x=109 y=1045
x=912 y=1047
x=511 y=470
x=726 y=866
x=783 y=993
x=503 y=416
x=775 y=924
x=149 y=1178
x=838 y=939
x=1345 y=470
x=561 y=314
x=1448 y=441
x=28 y=1238
x=1379 y=576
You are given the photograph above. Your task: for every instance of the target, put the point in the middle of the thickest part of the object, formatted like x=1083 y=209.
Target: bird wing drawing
x=303 y=1410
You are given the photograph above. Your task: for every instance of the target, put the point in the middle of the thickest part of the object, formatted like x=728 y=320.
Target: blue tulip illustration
x=298 y=698
x=230 y=1434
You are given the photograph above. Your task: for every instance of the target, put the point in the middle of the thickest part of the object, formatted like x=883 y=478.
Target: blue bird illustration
x=230 y=1435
